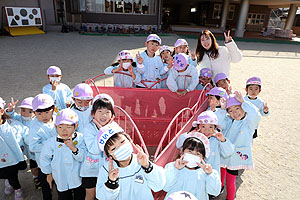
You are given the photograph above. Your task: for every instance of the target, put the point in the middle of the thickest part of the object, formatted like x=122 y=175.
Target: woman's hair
x=194 y=143
x=200 y=50
x=113 y=139
x=102 y=103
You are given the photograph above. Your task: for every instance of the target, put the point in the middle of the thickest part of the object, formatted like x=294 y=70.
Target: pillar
x=240 y=28
x=224 y=14
x=291 y=17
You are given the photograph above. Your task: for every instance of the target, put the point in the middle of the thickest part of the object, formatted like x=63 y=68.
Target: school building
x=181 y=15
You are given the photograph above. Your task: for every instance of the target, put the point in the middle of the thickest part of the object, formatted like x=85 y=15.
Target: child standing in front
x=40 y=130
x=11 y=158
x=253 y=88
x=62 y=156
x=60 y=92
x=148 y=65
x=182 y=78
x=182 y=46
x=125 y=175
x=238 y=126
x=190 y=172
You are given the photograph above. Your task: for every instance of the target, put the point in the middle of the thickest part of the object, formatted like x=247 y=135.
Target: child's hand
x=117 y=69
x=184 y=92
x=227 y=37
x=12 y=105
x=238 y=95
x=206 y=167
x=54 y=84
x=70 y=144
x=68 y=104
x=113 y=174
x=50 y=180
x=219 y=136
x=180 y=163
x=229 y=91
x=142 y=158
x=223 y=103
x=139 y=59
x=266 y=108
x=193 y=55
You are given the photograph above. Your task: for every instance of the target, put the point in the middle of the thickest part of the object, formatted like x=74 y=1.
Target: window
x=231 y=11
x=217 y=11
x=255 y=19
x=119 y=6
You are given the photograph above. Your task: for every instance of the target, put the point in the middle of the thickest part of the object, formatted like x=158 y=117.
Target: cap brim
x=26 y=106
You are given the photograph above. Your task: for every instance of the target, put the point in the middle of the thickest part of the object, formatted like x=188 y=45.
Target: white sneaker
x=19 y=194
x=8 y=188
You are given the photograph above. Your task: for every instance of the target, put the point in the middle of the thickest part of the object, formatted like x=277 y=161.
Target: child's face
x=194 y=152
x=45 y=117
x=165 y=54
x=121 y=140
x=82 y=103
x=223 y=83
x=206 y=41
x=125 y=61
x=65 y=131
x=213 y=101
x=253 y=90
x=152 y=46
x=236 y=112
x=181 y=49
x=205 y=80
x=102 y=116
x=207 y=129
x=26 y=112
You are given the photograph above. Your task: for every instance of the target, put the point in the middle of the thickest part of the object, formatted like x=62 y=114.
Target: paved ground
x=24 y=61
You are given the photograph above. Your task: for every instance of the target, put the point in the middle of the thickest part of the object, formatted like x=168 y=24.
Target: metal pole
x=291 y=17
x=240 y=29
x=224 y=14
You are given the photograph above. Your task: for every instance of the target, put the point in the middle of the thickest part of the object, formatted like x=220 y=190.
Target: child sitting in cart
x=182 y=46
x=167 y=60
x=127 y=76
x=204 y=78
x=182 y=78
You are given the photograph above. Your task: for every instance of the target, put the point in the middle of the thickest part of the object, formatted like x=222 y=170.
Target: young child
x=124 y=65
x=26 y=117
x=190 y=172
x=102 y=114
x=82 y=97
x=214 y=97
x=167 y=60
x=125 y=175
x=148 y=65
x=60 y=92
x=182 y=46
x=253 y=88
x=238 y=127
x=62 y=155
x=221 y=80
x=204 y=79
x=11 y=157
x=40 y=130
x=182 y=76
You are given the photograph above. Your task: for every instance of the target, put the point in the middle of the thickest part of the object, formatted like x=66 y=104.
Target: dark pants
x=46 y=191
x=72 y=194
x=11 y=173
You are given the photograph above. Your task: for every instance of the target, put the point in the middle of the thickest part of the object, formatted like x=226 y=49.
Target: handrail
x=159 y=147
x=159 y=81
x=194 y=108
x=93 y=82
x=135 y=127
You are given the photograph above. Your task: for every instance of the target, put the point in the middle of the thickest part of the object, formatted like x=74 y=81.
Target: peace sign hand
x=238 y=95
x=142 y=158
x=11 y=106
x=206 y=167
x=266 y=108
x=219 y=136
x=223 y=103
x=180 y=163
x=227 y=36
x=113 y=174
x=139 y=58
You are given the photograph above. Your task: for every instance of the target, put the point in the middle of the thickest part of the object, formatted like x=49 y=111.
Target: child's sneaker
x=19 y=194
x=37 y=183
x=8 y=188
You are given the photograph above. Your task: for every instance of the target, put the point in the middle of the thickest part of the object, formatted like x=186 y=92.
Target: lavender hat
x=180 y=42
x=103 y=95
x=125 y=54
x=206 y=72
x=254 y=81
x=218 y=91
x=106 y=132
x=165 y=47
x=53 y=70
x=27 y=103
x=154 y=37
x=220 y=76
x=83 y=91
x=232 y=101
x=2 y=103
x=66 y=116
x=42 y=101
x=182 y=195
x=180 y=61
x=206 y=117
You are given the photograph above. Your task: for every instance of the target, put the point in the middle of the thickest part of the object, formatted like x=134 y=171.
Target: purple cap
x=66 y=116
x=154 y=37
x=254 y=81
x=103 y=95
x=42 y=101
x=206 y=72
x=2 y=103
x=53 y=70
x=218 y=91
x=180 y=42
x=27 y=103
x=207 y=117
x=220 y=76
x=165 y=47
x=83 y=91
x=125 y=54
x=231 y=101
x=182 y=195
x=180 y=61
x=106 y=132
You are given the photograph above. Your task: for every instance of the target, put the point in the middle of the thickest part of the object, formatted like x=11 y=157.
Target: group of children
x=71 y=138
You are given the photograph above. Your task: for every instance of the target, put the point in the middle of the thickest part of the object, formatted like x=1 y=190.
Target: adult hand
x=227 y=36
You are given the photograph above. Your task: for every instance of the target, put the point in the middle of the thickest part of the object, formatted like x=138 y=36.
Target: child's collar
x=251 y=98
x=148 y=55
x=60 y=139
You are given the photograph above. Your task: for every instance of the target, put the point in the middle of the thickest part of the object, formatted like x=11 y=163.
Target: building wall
x=259 y=10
